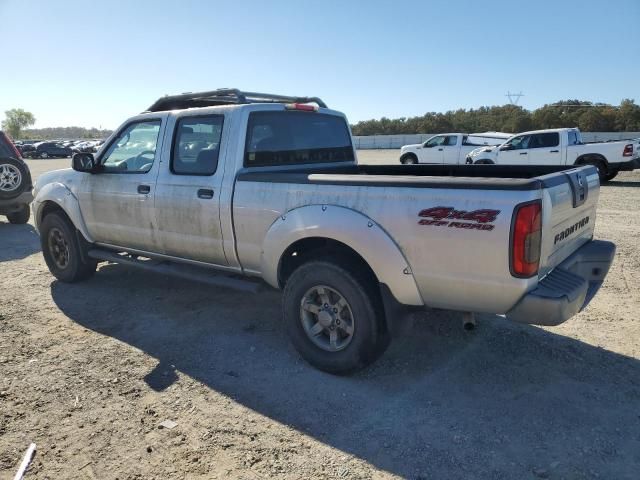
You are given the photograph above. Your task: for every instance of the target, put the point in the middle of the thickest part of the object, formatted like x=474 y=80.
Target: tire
x=352 y=302
x=44 y=155
x=602 y=169
x=14 y=178
x=611 y=176
x=409 y=159
x=20 y=217
x=63 y=251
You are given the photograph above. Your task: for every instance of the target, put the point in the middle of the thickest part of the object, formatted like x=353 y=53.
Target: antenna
x=514 y=98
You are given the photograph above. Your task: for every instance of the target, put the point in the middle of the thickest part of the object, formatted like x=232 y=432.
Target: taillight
x=526 y=236
x=628 y=150
x=305 y=107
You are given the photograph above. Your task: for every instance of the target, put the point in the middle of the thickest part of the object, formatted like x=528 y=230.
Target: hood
x=413 y=145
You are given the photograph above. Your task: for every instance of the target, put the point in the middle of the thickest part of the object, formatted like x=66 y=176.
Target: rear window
x=545 y=140
x=291 y=138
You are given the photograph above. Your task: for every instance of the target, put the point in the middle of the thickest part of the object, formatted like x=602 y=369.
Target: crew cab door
x=117 y=200
x=187 y=197
x=544 y=149
x=433 y=150
x=515 y=151
x=451 y=150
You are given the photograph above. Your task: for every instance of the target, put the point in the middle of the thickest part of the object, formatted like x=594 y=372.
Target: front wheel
x=409 y=159
x=62 y=250
x=334 y=317
x=21 y=216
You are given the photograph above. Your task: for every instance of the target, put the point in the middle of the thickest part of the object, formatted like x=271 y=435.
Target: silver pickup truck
x=227 y=185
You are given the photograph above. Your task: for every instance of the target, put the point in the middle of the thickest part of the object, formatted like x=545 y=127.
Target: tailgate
x=569 y=214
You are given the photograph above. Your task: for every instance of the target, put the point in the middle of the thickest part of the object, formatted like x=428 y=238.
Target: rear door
x=451 y=150
x=187 y=197
x=544 y=149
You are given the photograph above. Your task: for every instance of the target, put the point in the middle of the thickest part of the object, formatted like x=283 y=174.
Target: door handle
x=144 y=189
x=523 y=153
x=554 y=151
x=205 y=193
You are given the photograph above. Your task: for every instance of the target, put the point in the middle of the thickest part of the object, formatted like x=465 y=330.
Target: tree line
x=589 y=117
x=71 y=133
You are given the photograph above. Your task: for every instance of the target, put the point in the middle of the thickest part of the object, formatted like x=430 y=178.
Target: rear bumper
x=568 y=288
x=626 y=166
x=15 y=204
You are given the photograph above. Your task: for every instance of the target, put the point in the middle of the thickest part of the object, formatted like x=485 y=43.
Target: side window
x=134 y=150
x=545 y=140
x=196 y=145
x=435 y=141
x=291 y=137
x=573 y=138
x=521 y=142
x=452 y=140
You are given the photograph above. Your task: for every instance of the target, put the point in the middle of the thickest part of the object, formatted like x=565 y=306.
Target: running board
x=165 y=267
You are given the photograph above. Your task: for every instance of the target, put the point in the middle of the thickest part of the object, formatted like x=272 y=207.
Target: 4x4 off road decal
x=450 y=217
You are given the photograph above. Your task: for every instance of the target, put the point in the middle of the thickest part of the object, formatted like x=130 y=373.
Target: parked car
x=449 y=148
x=26 y=149
x=560 y=146
x=50 y=150
x=15 y=183
x=274 y=191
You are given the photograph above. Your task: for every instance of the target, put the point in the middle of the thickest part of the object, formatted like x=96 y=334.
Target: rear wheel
x=13 y=178
x=334 y=317
x=601 y=167
x=63 y=251
x=44 y=155
x=21 y=216
x=611 y=176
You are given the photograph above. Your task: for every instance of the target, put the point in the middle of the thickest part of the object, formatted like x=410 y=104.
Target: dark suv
x=50 y=150
x=15 y=183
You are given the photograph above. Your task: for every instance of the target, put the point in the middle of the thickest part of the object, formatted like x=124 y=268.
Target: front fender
x=59 y=194
x=351 y=228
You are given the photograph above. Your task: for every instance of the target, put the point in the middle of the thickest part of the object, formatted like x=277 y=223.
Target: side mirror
x=506 y=147
x=83 y=162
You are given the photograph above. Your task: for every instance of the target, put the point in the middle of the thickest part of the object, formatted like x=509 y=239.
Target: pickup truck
x=560 y=146
x=232 y=187
x=449 y=148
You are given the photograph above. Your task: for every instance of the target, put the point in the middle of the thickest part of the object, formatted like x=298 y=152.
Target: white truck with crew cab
x=449 y=148
x=560 y=146
x=222 y=184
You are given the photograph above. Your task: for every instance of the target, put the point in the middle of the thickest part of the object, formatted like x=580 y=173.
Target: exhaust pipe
x=468 y=321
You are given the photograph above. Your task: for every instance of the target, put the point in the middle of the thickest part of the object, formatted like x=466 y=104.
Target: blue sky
x=94 y=63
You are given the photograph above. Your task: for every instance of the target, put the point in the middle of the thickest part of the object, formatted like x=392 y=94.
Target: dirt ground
x=89 y=371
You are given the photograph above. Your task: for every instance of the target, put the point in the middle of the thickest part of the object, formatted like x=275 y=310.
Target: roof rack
x=224 y=96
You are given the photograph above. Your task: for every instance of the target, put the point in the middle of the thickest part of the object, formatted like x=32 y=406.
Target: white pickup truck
x=561 y=146
x=226 y=184
x=449 y=148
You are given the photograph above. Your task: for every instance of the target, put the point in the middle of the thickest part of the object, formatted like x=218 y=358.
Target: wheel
x=14 y=177
x=409 y=159
x=44 y=155
x=611 y=176
x=21 y=216
x=602 y=169
x=63 y=251
x=334 y=317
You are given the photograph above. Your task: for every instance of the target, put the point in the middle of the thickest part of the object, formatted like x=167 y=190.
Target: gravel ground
x=89 y=371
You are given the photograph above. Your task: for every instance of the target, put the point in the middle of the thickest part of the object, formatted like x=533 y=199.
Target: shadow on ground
x=504 y=400
x=17 y=241
x=622 y=183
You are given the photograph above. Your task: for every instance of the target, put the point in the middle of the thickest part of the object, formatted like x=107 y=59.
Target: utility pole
x=514 y=98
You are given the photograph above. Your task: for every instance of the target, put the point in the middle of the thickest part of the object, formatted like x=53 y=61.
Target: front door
x=515 y=151
x=117 y=201
x=433 y=150
x=188 y=191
